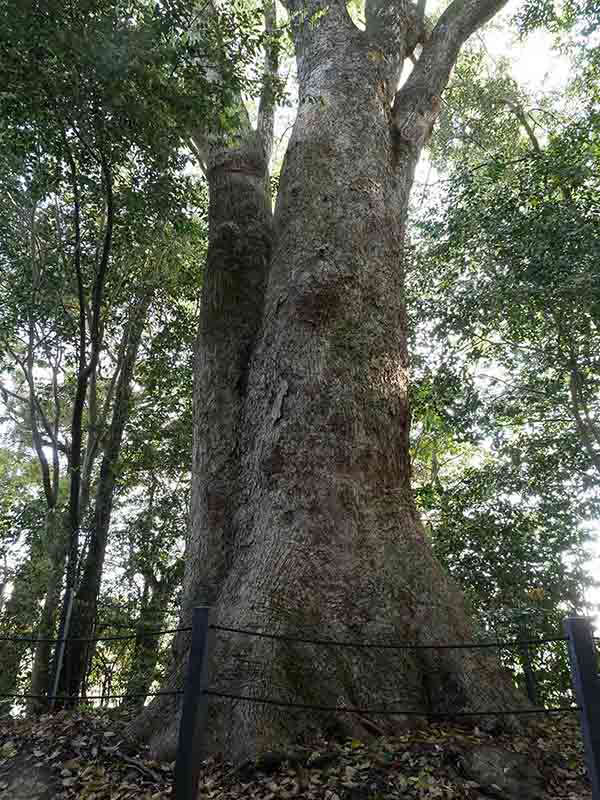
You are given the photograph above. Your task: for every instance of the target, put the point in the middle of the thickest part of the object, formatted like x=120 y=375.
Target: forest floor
x=85 y=755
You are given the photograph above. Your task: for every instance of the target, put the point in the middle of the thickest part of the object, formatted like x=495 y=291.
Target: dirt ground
x=85 y=755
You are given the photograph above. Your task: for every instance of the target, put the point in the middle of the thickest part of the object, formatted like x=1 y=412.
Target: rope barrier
x=388 y=646
x=90 y=696
x=32 y=639
x=303 y=640
x=387 y=711
x=119 y=638
x=127 y=627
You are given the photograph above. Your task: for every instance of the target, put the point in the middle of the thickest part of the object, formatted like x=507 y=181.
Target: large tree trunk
x=324 y=537
x=240 y=239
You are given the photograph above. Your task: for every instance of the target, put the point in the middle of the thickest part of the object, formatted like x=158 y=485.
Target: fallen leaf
x=8 y=750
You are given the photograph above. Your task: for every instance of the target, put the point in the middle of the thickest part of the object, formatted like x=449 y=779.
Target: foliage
x=583 y=16
x=99 y=209
x=504 y=291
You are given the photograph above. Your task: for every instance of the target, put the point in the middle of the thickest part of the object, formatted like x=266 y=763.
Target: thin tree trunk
x=18 y=619
x=40 y=674
x=326 y=541
x=86 y=366
x=154 y=604
x=84 y=612
x=50 y=473
x=146 y=648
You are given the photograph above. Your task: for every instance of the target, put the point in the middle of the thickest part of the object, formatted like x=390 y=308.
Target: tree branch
x=200 y=136
x=458 y=22
x=578 y=380
x=582 y=427
x=27 y=364
x=99 y=426
x=35 y=433
x=81 y=388
x=9 y=393
x=519 y=113
x=417 y=103
x=55 y=427
x=98 y=289
x=199 y=147
x=266 y=109
x=395 y=27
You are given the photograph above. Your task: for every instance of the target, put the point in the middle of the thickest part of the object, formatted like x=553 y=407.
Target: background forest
x=103 y=218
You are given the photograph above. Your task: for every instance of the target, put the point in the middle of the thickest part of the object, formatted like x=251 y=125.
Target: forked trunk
x=326 y=542
x=240 y=240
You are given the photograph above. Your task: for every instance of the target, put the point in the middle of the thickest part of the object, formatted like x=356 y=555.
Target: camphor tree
x=302 y=515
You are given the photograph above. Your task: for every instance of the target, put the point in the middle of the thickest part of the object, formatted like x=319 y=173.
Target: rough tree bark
x=234 y=279
x=322 y=536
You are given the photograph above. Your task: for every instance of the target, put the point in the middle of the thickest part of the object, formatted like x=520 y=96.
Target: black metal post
x=192 y=728
x=586 y=683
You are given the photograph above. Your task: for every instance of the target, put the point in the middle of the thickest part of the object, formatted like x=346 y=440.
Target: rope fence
x=51 y=698
x=193 y=728
x=387 y=711
x=118 y=638
x=85 y=698
x=388 y=645
x=193 y=725
x=500 y=645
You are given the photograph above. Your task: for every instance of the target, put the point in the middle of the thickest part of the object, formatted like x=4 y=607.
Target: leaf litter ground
x=85 y=755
